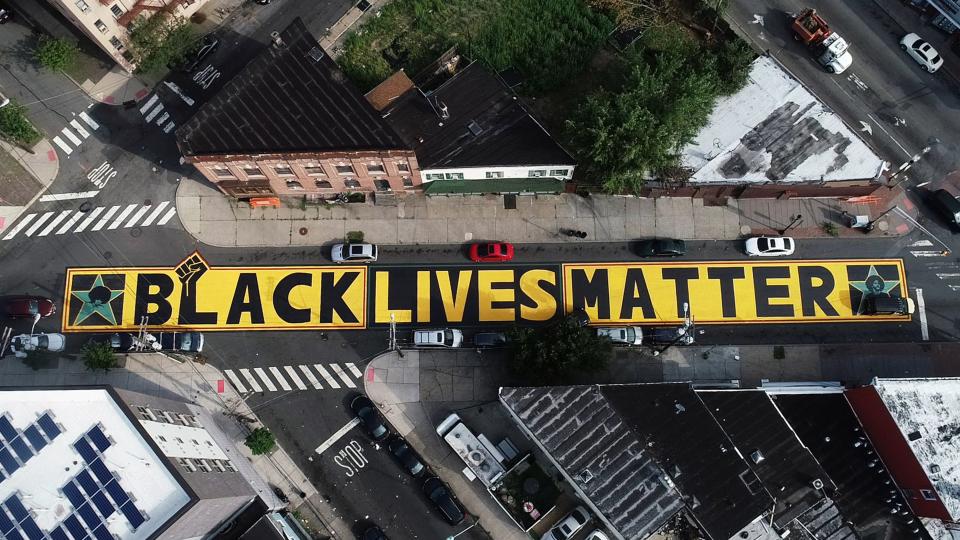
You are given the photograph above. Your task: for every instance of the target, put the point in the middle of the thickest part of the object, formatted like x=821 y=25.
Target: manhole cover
x=136 y=232
x=303 y=231
x=108 y=255
x=147 y=202
x=85 y=207
x=531 y=486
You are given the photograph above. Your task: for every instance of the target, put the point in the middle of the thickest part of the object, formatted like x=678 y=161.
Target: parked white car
x=363 y=253
x=622 y=335
x=770 y=246
x=440 y=337
x=25 y=343
x=569 y=525
x=921 y=51
x=597 y=534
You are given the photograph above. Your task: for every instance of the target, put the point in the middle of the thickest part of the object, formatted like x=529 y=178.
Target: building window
x=169 y=416
x=116 y=10
x=314 y=170
x=536 y=173
x=252 y=171
x=403 y=167
x=376 y=169
x=193 y=421
x=229 y=466
x=186 y=465
x=453 y=176
x=351 y=183
x=494 y=174
x=559 y=172
x=294 y=185
x=100 y=26
x=324 y=184
x=82 y=6
x=381 y=184
x=179 y=440
x=222 y=172
x=283 y=171
x=218 y=465
x=928 y=495
x=196 y=442
x=434 y=177
x=117 y=44
x=162 y=438
x=209 y=443
x=407 y=181
x=344 y=169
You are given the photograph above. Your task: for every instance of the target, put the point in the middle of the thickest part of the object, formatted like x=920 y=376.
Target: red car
x=26 y=307
x=495 y=252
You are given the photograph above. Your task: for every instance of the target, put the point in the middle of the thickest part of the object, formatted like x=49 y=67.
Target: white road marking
x=150 y=102
x=266 y=380
x=23 y=223
x=294 y=377
x=163 y=118
x=921 y=243
x=69 y=196
x=250 y=379
x=336 y=436
x=877 y=122
x=166 y=217
x=106 y=218
x=954 y=288
x=123 y=215
x=89 y=121
x=60 y=217
x=153 y=114
x=38 y=223
x=279 y=377
x=310 y=377
x=70 y=222
x=79 y=129
x=927 y=253
x=326 y=376
x=353 y=369
x=156 y=212
x=924 y=331
x=136 y=217
x=866 y=128
x=343 y=376
x=948 y=276
x=73 y=138
x=169 y=127
x=236 y=381
x=63 y=146
x=86 y=223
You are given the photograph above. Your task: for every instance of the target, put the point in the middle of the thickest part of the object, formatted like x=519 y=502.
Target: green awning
x=494 y=185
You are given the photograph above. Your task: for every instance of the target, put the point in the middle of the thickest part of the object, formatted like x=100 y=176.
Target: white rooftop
x=930 y=407
x=774 y=130
x=54 y=462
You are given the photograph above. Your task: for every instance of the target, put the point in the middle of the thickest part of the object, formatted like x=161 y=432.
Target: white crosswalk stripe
x=150 y=103
x=63 y=146
x=288 y=378
x=77 y=221
x=153 y=114
x=926 y=253
x=74 y=133
x=73 y=138
x=89 y=121
x=79 y=129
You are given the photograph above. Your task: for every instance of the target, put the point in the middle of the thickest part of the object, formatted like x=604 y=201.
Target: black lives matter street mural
x=198 y=296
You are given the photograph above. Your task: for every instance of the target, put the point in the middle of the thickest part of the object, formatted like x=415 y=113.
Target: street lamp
x=685 y=333
x=796 y=221
x=36 y=318
x=463 y=531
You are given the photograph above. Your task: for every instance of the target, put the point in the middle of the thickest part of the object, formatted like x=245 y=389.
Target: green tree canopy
x=260 y=441
x=55 y=54
x=15 y=127
x=160 y=40
x=554 y=353
x=99 y=356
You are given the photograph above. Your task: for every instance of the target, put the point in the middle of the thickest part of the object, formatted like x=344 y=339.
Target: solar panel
x=35 y=438
x=101 y=533
x=89 y=516
x=14 y=535
x=49 y=426
x=6 y=429
x=33 y=532
x=85 y=450
x=133 y=514
x=75 y=528
x=103 y=505
x=6 y=459
x=5 y=523
x=101 y=471
x=73 y=494
x=16 y=508
x=59 y=534
x=99 y=439
x=117 y=493
x=87 y=483
x=22 y=450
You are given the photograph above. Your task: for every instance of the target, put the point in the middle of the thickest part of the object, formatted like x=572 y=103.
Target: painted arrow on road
x=866 y=127
x=757 y=19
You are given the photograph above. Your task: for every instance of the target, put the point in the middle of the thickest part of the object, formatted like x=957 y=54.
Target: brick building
x=291 y=123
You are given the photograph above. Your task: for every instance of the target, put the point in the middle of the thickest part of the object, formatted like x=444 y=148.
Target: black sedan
x=364 y=409
x=406 y=457
x=661 y=247
x=439 y=494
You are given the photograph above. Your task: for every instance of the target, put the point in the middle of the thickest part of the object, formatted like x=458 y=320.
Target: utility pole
x=685 y=333
x=913 y=160
x=796 y=221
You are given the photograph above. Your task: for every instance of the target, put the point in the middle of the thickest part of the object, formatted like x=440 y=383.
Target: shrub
x=260 y=441
x=55 y=54
x=830 y=228
x=554 y=353
x=15 y=127
x=99 y=356
x=355 y=237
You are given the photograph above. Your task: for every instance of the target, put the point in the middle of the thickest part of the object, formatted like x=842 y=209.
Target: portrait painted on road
x=197 y=296
x=732 y=291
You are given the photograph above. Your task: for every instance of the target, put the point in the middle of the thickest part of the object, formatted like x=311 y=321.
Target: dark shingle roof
x=487 y=125
x=588 y=439
x=292 y=98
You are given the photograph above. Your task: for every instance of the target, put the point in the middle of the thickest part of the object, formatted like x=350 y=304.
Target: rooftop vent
x=474 y=128
x=934 y=468
x=817 y=483
x=585 y=476
x=315 y=53
x=757 y=456
x=914 y=436
x=277 y=40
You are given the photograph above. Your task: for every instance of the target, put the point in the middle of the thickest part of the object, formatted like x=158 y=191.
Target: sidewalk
x=217 y=220
x=20 y=192
x=114 y=88
x=158 y=375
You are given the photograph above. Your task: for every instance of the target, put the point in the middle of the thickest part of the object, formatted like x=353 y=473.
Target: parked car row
x=163 y=341
x=573 y=523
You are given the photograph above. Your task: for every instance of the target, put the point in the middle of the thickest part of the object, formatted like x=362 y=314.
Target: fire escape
x=148 y=5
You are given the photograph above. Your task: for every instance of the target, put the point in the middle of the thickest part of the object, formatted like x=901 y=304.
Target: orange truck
x=830 y=50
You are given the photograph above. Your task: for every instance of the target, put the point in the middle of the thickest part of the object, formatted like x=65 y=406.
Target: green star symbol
x=873 y=285
x=100 y=306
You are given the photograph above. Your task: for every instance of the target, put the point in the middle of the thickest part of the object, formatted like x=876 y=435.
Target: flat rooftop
x=71 y=460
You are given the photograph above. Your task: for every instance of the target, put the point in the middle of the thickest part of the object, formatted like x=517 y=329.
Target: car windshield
x=43 y=342
x=763 y=244
x=185 y=341
x=447 y=336
x=34 y=307
x=630 y=334
x=935 y=59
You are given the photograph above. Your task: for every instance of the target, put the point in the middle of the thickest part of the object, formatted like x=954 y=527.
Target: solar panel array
x=17 y=448
x=95 y=497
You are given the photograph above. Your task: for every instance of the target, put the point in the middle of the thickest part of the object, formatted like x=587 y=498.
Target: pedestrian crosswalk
x=75 y=133
x=153 y=110
x=78 y=221
x=292 y=378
